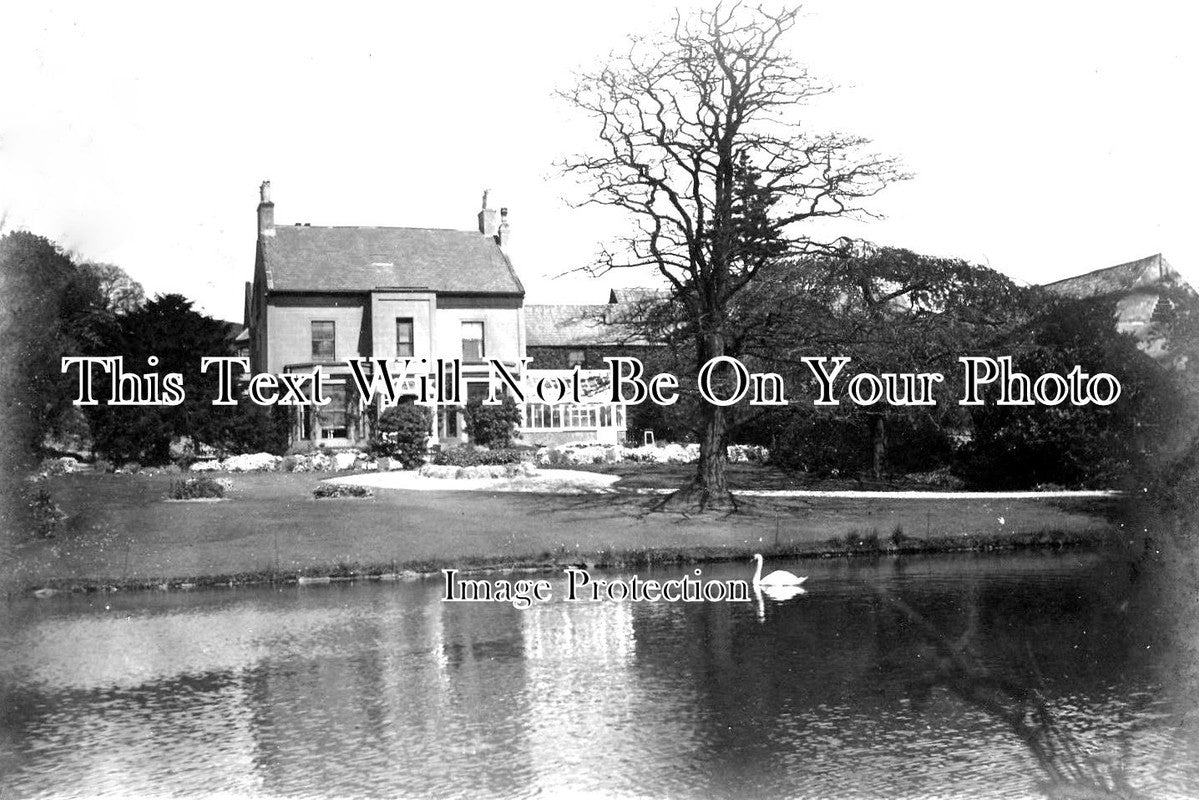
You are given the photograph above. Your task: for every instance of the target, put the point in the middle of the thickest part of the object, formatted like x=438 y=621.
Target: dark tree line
x=54 y=307
x=892 y=310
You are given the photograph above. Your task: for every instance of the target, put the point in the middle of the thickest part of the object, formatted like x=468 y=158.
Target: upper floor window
x=323 y=339
x=576 y=358
x=472 y=341
x=404 y=341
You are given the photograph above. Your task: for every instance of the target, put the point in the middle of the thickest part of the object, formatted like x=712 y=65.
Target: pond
x=960 y=676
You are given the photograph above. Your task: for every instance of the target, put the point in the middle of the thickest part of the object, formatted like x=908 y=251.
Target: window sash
x=404 y=337
x=472 y=341
x=324 y=340
x=334 y=416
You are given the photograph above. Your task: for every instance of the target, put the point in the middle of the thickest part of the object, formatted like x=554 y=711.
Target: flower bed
x=523 y=469
x=670 y=453
x=65 y=465
x=479 y=456
x=202 y=488
x=341 y=490
x=300 y=462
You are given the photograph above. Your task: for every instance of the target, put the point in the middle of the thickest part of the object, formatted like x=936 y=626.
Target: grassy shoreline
x=121 y=533
x=546 y=563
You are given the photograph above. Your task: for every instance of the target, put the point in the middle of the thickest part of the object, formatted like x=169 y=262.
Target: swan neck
x=757 y=570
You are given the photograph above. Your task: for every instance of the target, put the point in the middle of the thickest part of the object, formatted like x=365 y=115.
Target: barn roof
x=1145 y=272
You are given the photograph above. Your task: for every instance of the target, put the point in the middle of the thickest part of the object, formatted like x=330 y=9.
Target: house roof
x=1145 y=272
x=577 y=325
x=360 y=259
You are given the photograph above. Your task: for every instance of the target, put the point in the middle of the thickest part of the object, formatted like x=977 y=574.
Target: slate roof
x=1144 y=272
x=577 y=326
x=360 y=259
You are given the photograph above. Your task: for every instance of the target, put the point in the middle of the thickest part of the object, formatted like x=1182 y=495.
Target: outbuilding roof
x=1144 y=272
x=304 y=258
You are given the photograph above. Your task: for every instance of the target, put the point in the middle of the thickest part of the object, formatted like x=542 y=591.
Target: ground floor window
x=333 y=416
x=331 y=421
x=449 y=422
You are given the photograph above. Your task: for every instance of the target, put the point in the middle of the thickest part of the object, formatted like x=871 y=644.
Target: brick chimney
x=487 y=225
x=504 y=234
x=266 y=210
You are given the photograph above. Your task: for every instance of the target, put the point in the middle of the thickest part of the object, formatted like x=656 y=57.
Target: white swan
x=780 y=577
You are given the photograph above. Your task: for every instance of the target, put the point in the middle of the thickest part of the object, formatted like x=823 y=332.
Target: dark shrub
x=340 y=490
x=492 y=426
x=249 y=428
x=916 y=443
x=45 y=513
x=478 y=457
x=197 y=488
x=823 y=444
x=1016 y=447
x=827 y=443
x=402 y=433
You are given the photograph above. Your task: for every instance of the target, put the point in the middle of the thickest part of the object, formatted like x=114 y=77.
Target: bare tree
x=119 y=293
x=700 y=144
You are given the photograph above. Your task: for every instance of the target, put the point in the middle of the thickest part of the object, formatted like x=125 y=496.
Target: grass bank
x=119 y=531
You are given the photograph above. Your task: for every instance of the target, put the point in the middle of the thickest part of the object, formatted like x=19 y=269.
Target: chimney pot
x=487 y=225
x=266 y=210
x=504 y=233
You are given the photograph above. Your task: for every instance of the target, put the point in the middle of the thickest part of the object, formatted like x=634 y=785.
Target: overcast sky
x=1046 y=139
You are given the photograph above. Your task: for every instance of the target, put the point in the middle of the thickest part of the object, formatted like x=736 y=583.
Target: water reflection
x=999 y=676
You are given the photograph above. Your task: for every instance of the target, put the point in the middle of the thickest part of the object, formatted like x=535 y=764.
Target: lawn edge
x=605 y=558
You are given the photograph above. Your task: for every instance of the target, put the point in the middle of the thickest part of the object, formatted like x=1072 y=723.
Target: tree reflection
x=1013 y=695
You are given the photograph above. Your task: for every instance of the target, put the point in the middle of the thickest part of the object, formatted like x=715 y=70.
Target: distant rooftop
x=594 y=324
x=1143 y=273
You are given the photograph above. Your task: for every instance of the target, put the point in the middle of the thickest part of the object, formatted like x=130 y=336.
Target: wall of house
x=501 y=318
x=289 y=319
x=387 y=307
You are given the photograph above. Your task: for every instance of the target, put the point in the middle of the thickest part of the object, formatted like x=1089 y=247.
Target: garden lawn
x=121 y=530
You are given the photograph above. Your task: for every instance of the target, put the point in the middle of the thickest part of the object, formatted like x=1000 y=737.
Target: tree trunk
x=880 y=446
x=709 y=490
x=710 y=482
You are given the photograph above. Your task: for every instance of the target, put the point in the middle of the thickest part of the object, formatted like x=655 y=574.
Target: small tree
x=402 y=433
x=492 y=426
x=178 y=337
